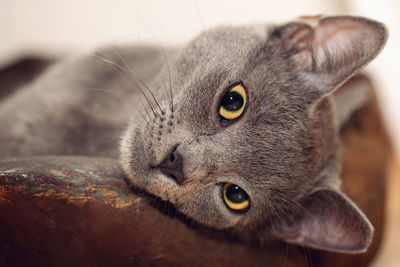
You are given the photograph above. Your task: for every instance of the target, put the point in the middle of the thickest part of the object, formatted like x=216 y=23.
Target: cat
x=238 y=129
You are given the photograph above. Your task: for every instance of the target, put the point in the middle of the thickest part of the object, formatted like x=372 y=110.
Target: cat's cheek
x=206 y=206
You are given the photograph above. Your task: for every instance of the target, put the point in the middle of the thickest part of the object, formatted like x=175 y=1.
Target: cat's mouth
x=162 y=186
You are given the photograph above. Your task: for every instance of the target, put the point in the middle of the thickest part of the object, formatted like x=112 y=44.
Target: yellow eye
x=233 y=103
x=235 y=197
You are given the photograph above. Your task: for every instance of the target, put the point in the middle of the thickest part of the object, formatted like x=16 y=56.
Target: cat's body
x=86 y=110
x=282 y=149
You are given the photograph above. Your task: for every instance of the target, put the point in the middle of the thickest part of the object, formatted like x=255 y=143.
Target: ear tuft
x=328 y=50
x=331 y=222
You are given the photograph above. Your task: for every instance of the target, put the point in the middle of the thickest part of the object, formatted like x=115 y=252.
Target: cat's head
x=248 y=140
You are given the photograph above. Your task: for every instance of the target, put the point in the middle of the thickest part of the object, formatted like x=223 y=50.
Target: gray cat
x=237 y=129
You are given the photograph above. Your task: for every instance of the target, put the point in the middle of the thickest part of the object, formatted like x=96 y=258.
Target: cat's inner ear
x=328 y=50
x=329 y=221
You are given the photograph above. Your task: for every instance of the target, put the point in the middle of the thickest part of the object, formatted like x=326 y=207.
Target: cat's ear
x=330 y=221
x=328 y=50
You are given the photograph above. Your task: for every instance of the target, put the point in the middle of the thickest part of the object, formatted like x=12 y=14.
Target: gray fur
x=281 y=151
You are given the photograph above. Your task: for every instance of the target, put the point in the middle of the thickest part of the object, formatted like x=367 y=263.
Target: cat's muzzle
x=172 y=165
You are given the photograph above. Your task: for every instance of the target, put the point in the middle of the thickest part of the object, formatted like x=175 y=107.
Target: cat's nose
x=172 y=165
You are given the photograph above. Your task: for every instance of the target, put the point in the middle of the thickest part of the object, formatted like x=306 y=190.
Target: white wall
x=51 y=26
x=77 y=23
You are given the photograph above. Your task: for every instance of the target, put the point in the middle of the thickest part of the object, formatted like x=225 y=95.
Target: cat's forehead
x=229 y=54
x=223 y=57
x=229 y=41
x=231 y=34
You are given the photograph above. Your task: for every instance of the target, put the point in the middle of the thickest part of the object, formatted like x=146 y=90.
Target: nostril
x=174 y=148
x=172 y=165
x=172 y=157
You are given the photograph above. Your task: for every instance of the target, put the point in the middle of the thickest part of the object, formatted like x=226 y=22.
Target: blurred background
x=60 y=27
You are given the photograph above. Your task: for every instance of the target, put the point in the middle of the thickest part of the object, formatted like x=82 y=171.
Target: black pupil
x=235 y=194
x=232 y=101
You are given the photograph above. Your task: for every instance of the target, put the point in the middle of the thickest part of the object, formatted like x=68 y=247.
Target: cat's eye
x=233 y=103
x=235 y=197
